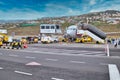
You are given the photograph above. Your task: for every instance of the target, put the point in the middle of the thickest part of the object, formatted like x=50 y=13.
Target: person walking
x=115 y=43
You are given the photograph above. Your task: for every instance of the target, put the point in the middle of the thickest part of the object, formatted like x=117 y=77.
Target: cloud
x=73 y=12
x=92 y=2
x=55 y=8
x=20 y=14
x=104 y=7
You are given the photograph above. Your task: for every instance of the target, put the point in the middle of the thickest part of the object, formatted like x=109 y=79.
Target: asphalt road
x=56 y=63
x=90 y=47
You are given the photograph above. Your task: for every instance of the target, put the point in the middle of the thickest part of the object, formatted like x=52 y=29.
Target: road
x=56 y=63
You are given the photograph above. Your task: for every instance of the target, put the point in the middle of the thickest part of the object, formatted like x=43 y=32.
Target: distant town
x=105 y=18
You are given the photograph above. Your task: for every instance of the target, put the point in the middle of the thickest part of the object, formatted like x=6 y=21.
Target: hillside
x=99 y=19
x=25 y=30
x=34 y=30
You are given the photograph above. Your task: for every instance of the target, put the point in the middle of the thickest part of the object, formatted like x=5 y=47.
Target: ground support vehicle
x=75 y=32
x=32 y=40
x=16 y=44
x=5 y=40
x=46 y=39
x=83 y=39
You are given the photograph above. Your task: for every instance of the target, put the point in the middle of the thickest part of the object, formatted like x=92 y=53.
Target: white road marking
x=1 y=68
x=29 y=74
x=77 y=62
x=13 y=55
x=53 y=53
x=113 y=72
x=56 y=78
x=48 y=59
x=30 y=57
x=90 y=53
x=33 y=64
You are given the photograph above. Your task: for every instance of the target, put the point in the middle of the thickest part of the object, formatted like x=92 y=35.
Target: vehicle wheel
x=17 y=47
x=63 y=40
x=55 y=41
x=97 y=42
x=81 y=41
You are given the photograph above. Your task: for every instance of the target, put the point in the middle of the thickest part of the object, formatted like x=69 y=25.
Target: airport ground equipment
x=95 y=33
x=4 y=38
x=83 y=39
x=94 y=30
x=32 y=40
x=24 y=40
x=1 y=41
x=48 y=39
x=77 y=31
x=16 y=44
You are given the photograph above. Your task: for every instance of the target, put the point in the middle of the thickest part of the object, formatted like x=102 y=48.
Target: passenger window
x=47 y=27
x=42 y=27
x=52 y=27
x=57 y=27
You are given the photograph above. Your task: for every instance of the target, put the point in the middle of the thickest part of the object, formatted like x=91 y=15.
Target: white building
x=50 y=29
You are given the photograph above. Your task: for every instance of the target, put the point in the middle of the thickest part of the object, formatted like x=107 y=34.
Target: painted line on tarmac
x=56 y=78
x=48 y=59
x=30 y=57
x=1 y=68
x=52 y=53
x=113 y=72
x=25 y=73
x=90 y=53
x=13 y=55
x=78 y=62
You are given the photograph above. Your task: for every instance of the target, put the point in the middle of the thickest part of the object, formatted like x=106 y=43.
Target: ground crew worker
x=20 y=45
x=115 y=43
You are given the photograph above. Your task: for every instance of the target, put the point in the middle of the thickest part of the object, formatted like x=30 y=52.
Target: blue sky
x=33 y=9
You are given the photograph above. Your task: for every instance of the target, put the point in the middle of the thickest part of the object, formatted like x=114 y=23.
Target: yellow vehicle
x=83 y=39
x=24 y=40
x=16 y=44
x=4 y=37
x=5 y=40
x=1 y=42
x=46 y=39
x=35 y=39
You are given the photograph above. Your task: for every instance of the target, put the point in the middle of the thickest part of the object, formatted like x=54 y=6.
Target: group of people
x=115 y=42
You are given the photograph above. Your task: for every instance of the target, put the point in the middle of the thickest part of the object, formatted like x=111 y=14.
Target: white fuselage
x=72 y=31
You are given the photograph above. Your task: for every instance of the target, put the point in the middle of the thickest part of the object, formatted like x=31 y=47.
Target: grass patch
x=25 y=30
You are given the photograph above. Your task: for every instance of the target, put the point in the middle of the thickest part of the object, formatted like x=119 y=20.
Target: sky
x=34 y=9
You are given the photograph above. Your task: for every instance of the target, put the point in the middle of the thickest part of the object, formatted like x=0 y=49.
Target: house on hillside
x=113 y=21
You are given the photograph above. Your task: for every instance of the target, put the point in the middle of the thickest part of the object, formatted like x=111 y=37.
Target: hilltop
x=107 y=21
